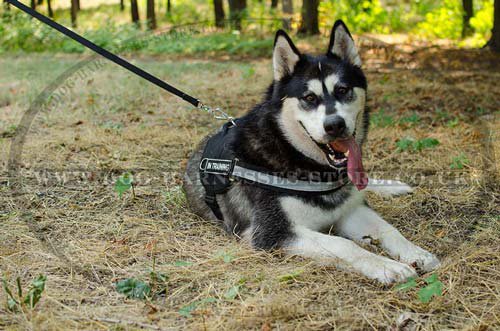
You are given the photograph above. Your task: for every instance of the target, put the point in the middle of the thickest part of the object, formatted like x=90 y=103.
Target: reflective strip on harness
x=285 y=183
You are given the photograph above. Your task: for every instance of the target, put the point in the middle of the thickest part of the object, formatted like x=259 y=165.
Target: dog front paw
x=385 y=270
x=421 y=259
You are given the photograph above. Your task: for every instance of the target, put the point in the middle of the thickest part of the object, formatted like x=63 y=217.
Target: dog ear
x=342 y=44
x=285 y=55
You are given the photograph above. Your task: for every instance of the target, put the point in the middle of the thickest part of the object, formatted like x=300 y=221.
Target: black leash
x=219 y=114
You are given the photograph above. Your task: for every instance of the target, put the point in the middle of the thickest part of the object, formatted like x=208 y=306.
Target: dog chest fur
x=302 y=213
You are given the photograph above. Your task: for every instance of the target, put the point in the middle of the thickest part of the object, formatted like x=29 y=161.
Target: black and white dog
x=313 y=120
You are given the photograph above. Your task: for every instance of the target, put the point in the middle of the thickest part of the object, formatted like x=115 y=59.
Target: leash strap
x=110 y=56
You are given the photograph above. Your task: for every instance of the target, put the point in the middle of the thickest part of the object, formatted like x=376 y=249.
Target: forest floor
x=61 y=217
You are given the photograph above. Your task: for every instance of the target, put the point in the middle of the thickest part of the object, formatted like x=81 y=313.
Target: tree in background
x=220 y=16
x=150 y=14
x=494 y=42
x=169 y=6
x=33 y=4
x=49 y=9
x=309 y=23
x=134 y=11
x=274 y=4
x=122 y=5
x=468 y=13
x=288 y=11
x=74 y=9
x=78 y=5
x=236 y=11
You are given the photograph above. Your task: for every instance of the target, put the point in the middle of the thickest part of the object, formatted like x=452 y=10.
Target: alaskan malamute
x=311 y=123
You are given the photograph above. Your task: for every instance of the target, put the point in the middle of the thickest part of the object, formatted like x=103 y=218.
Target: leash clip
x=216 y=112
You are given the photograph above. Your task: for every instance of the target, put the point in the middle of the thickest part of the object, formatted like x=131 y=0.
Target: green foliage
x=235 y=290
x=188 y=309
x=382 y=119
x=124 y=183
x=482 y=22
x=181 y=263
x=404 y=144
x=433 y=287
x=458 y=162
x=424 y=143
x=227 y=257
x=424 y=18
x=410 y=283
x=361 y=15
x=133 y=288
x=290 y=276
x=410 y=120
x=19 y=301
x=409 y=144
x=443 y=22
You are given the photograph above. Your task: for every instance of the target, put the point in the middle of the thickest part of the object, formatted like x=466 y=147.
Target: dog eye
x=311 y=98
x=341 y=90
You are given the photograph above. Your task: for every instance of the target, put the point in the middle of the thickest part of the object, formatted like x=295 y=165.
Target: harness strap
x=226 y=171
x=108 y=55
x=211 y=201
x=285 y=184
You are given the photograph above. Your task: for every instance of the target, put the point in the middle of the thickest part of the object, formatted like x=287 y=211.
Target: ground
x=62 y=218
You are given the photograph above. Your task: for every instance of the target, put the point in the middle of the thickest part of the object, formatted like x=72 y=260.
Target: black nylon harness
x=219 y=168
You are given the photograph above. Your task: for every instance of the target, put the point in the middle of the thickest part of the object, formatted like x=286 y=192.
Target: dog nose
x=335 y=126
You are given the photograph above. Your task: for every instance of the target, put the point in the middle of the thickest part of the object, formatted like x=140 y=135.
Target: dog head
x=323 y=97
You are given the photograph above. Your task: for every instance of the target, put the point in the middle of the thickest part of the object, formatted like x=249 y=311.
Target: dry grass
x=85 y=238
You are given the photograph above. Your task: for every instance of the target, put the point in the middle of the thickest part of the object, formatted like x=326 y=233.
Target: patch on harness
x=216 y=166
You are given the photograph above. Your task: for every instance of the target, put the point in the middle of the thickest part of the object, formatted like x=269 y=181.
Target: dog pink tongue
x=355 y=170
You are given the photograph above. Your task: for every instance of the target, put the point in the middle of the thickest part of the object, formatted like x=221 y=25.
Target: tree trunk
x=134 y=11
x=33 y=4
x=49 y=9
x=122 y=5
x=169 y=6
x=150 y=14
x=220 y=16
x=74 y=10
x=468 y=13
x=39 y=2
x=309 y=17
x=78 y=5
x=494 y=42
x=288 y=11
x=236 y=12
x=274 y=4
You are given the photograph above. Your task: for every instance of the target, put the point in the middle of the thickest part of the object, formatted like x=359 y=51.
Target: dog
x=313 y=119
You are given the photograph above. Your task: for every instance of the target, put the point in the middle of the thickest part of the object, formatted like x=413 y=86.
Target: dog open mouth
x=343 y=152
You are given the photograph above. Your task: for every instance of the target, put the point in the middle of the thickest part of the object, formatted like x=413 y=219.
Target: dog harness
x=219 y=168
